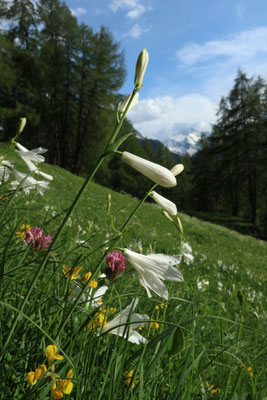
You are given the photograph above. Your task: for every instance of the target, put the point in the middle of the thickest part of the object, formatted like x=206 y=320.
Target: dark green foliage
x=63 y=77
x=230 y=169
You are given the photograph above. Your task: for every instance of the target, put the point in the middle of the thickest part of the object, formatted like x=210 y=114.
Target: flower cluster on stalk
x=31 y=159
x=59 y=386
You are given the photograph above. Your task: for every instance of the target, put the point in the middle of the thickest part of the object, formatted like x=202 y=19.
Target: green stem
x=46 y=257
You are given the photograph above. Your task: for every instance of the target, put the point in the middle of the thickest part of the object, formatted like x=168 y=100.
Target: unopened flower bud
x=167 y=215
x=180 y=226
x=140 y=68
x=22 y=124
x=164 y=203
x=116 y=264
x=158 y=174
x=177 y=169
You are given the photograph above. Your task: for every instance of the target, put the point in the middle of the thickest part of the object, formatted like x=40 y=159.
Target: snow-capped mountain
x=184 y=142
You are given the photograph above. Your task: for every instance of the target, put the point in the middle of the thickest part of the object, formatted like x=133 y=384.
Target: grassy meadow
x=207 y=341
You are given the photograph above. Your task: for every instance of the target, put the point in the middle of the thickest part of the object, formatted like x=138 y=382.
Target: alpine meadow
x=106 y=295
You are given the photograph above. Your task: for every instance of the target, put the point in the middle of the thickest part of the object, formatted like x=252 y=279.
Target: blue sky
x=195 y=49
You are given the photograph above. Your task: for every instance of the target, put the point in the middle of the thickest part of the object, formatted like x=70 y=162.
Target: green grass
x=217 y=328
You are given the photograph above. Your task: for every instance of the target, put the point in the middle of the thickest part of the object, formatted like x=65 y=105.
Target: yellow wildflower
x=112 y=309
x=75 y=274
x=23 y=231
x=98 y=321
x=154 y=325
x=212 y=389
x=51 y=353
x=161 y=305
x=32 y=377
x=3 y=198
x=215 y=391
x=86 y=278
x=128 y=379
x=64 y=386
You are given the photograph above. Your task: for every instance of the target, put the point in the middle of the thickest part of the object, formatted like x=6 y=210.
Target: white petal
x=158 y=174
x=164 y=203
x=46 y=176
x=150 y=281
x=135 y=337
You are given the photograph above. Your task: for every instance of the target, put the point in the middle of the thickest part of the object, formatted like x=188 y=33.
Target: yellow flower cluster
x=58 y=386
x=249 y=369
x=21 y=234
x=98 y=321
x=128 y=379
x=3 y=198
x=75 y=275
x=161 y=305
x=154 y=325
x=212 y=389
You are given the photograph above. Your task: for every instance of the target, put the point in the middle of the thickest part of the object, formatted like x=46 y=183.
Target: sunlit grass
x=219 y=311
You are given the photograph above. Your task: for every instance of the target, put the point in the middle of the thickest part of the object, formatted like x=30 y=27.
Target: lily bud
x=158 y=174
x=180 y=226
x=164 y=203
x=22 y=123
x=123 y=104
x=167 y=215
x=140 y=68
x=177 y=169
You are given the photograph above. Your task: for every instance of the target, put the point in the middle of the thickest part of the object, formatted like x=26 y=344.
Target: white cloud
x=78 y=11
x=134 y=8
x=136 y=31
x=163 y=117
x=237 y=48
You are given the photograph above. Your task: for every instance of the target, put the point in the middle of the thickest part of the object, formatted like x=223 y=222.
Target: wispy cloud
x=134 y=10
x=78 y=11
x=137 y=30
x=236 y=48
x=163 y=117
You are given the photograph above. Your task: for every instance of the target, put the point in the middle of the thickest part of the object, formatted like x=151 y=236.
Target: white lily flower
x=152 y=268
x=123 y=104
x=89 y=298
x=28 y=183
x=158 y=174
x=187 y=253
x=177 y=169
x=122 y=318
x=164 y=203
x=31 y=156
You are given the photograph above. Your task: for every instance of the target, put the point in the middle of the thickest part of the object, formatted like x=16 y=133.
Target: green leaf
x=176 y=343
x=114 y=146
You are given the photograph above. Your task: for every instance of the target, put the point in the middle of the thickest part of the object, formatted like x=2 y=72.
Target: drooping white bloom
x=164 y=203
x=5 y=170
x=28 y=183
x=90 y=297
x=187 y=253
x=31 y=156
x=158 y=174
x=117 y=327
x=152 y=268
x=123 y=104
x=177 y=169
x=140 y=69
